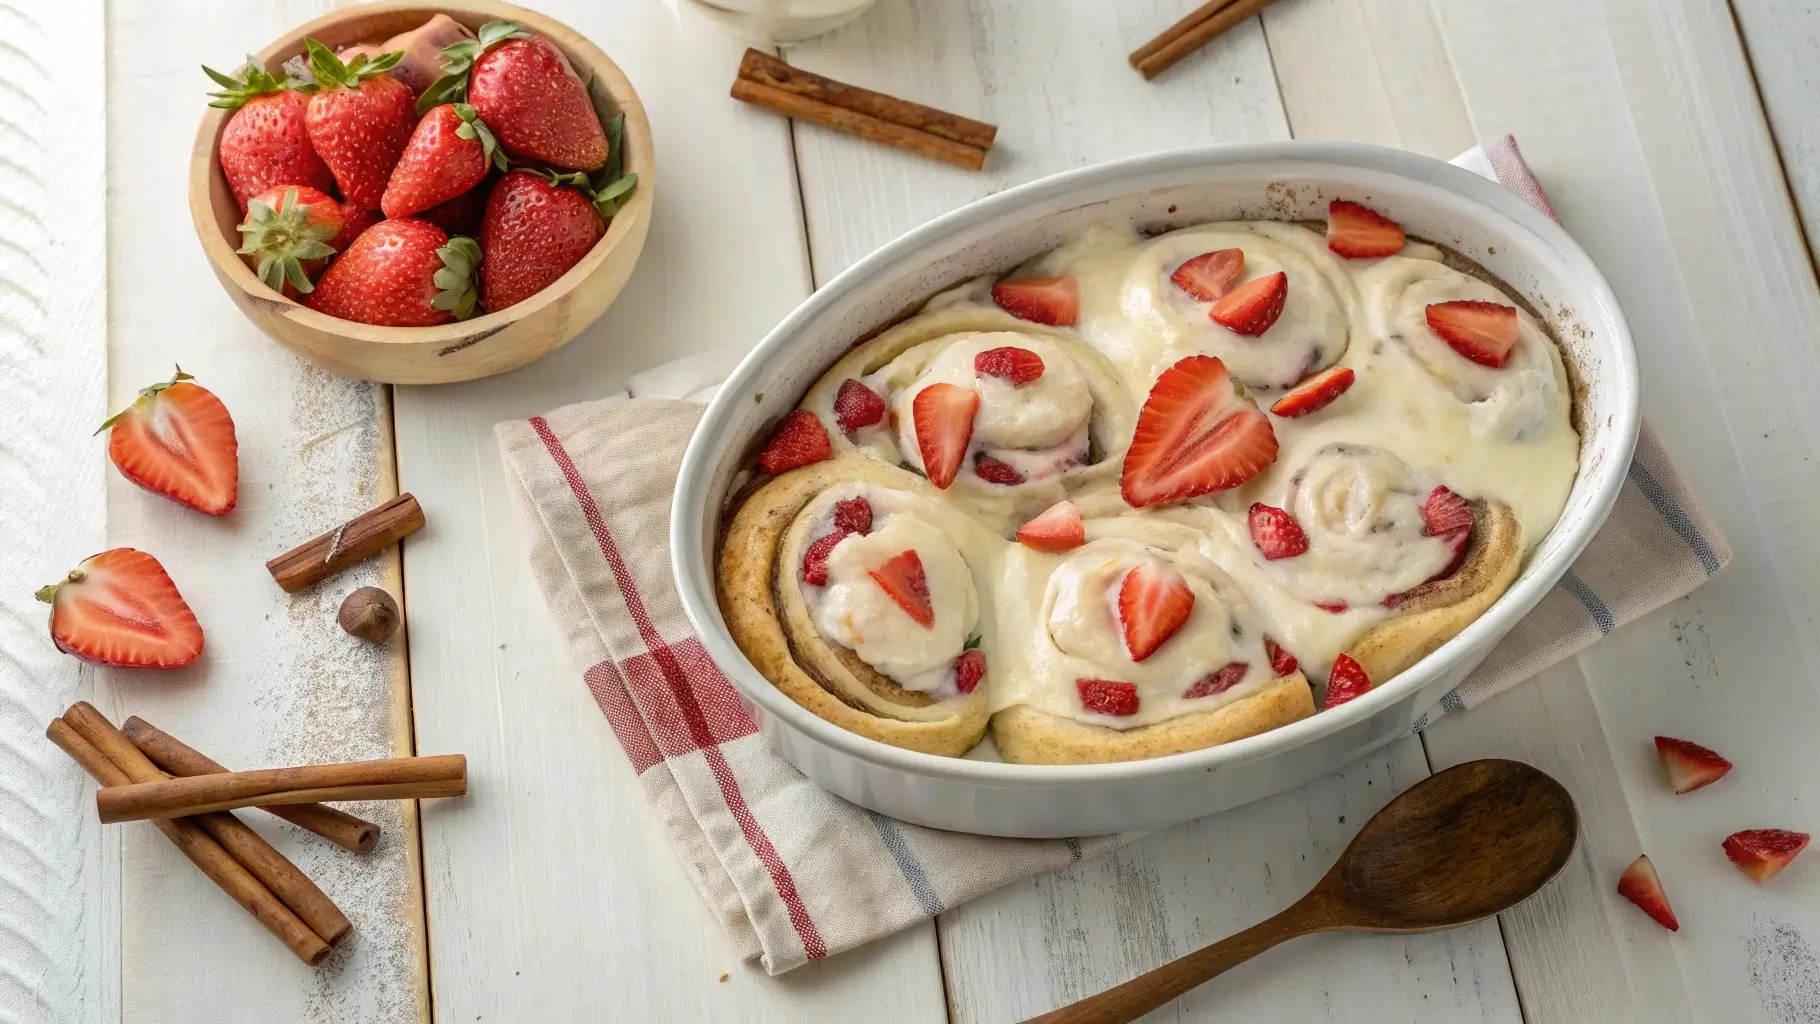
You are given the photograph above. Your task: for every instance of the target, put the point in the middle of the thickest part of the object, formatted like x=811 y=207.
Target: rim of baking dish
x=1565 y=541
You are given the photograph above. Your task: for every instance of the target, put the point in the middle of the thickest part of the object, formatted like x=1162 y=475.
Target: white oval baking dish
x=1282 y=181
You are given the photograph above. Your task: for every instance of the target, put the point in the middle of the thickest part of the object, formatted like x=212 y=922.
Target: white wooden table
x=549 y=894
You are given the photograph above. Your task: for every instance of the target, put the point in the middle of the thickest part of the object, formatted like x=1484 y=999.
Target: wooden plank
x=1783 y=41
x=280 y=683
x=551 y=887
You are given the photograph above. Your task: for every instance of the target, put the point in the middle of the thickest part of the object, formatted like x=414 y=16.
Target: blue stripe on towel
x=908 y=864
x=1674 y=515
x=1594 y=606
x=1074 y=849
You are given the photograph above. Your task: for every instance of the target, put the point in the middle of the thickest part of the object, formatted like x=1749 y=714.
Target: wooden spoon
x=1457 y=847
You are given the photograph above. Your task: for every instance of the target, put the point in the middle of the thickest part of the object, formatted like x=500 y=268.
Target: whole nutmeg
x=370 y=614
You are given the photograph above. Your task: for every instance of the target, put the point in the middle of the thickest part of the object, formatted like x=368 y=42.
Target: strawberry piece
x=1059 y=528
x=815 y=560
x=1198 y=433
x=1281 y=662
x=1640 y=885
x=449 y=153
x=1445 y=513
x=1360 y=232
x=120 y=608
x=856 y=406
x=943 y=414
x=1689 y=765
x=993 y=471
x=401 y=273
x=1210 y=275
x=1275 y=532
x=1154 y=602
x=1762 y=852
x=264 y=144
x=969 y=669
x=1108 y=696
x=1315 y=393
x=1218 y=682
x=1483 y=332
x=359 y=120
x=1332 y=607
x=178 y=440
x=800 y=439
x=853 y=514
x=523 y=86
x=1347 y=681
x=289 y=233
x=1055 y=301
x=1020 y=366
x=1252 y=307
x=460 y=215
x=535 y=228
x=902 y=578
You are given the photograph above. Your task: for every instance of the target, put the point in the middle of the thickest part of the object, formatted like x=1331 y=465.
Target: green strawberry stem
x=472 y=127
x=283 y=239
x=254 y=80
x=452 y=85
x=330 y=72
x=460 y=258
x=144 y=393
x=606 y=200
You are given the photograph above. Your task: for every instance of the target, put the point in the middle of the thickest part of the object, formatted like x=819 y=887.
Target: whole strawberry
x=265 y=142
x=536 y=227
x=448 y=154
x=290 y=232
x=526 y=91
x=359 y=120
x=400 y=273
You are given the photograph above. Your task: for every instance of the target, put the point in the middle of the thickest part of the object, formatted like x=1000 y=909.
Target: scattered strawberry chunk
x=1252 y=307
x=1761 y=852
x=1059 y=528
x=1315 y=393
x=1019 y=366
x=853 y=514
x=1154 y=602
x=120 y=608
x=1640 y=885
x=969 y=669
x=1360 y=232
x=1218 y=682
x=1689 y=765
x=944 y=427
x=993 y=471
x=856 y=406
x=1281 y=662
x=902 y=577
x=1275 y=532
x=1108 y=696
x=800 y=440
x=1210 y=275
x=177 y=440
x=1483 y=332
x=815 y=560
x=1445 y=513
x=1332 y=607
x=1347 y=681
x=1055 y=301
x=1198 y=433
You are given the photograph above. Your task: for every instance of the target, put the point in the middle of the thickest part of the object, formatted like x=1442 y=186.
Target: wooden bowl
x=485 y=345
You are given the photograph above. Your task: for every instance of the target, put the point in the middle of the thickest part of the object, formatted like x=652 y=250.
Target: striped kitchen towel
x=795 y=873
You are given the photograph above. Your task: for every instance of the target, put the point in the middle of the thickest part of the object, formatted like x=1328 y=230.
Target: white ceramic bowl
x=1282 y=181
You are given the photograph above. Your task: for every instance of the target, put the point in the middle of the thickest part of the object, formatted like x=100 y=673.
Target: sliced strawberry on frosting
x=902 y=578
x=856 y=406
x=1055 y=301
x=1198 y=433
x=1347 y=681
x=1218 y=682
x=1154 y=601
x=120 y=608
x=815 y=560
x=1332 y=607
x=1281 y=662
x=1640 y=885
x=800 y=440
x=1762 y=852
x=1019 y=366
x=1360 y=232
x=853 y=514
x=993 y=471
x=1483 y=332
x=1275 y=532
x=1689 y=765
x=1315 y=393
x=1252 y=307
x=944 y=427
x=1445 y=513
x=1059 y=528
x=969 y=669
x=1108 y=696
x=1210 y=275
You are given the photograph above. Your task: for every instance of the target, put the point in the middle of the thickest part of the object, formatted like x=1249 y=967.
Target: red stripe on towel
x=609 y=690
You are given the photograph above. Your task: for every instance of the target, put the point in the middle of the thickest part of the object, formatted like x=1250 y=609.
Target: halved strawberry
x=120 y=608
x=993 y=471
x=1281 y=662
x=1360 y=232
x=1483 y=332
x=944 y=426
x=1210 y=275
x=853 y=514
x=1689 y=765
x=1445 y=513
x=178 y=440
x=1275 y=532
x=815 y=560
x=1761 y=852
x=1252 y=307
x=969 y=669
x=902 y=577
x=1059 y=528
x=1108 y=696
x=1347 y=681
x=1218 y=682
x=856 y=406
x=1640 y=885
x=1020 y=366
x=799 y=441
x=1315 y=393
x=1198 y=433
x=1154 y=601
x=1055 y=301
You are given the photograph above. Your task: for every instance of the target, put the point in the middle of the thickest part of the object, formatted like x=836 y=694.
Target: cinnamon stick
x=397 y=778
x=179 y=758
x=1195 y=30
x=354 y=541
